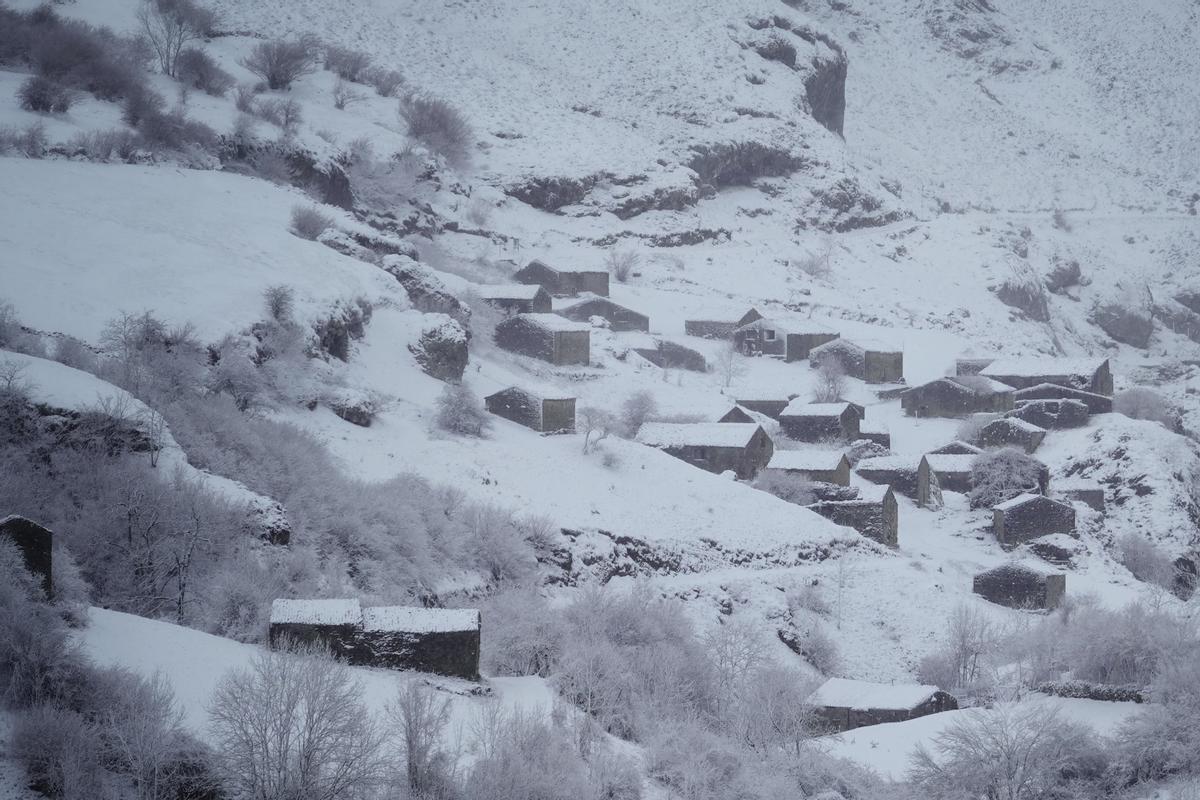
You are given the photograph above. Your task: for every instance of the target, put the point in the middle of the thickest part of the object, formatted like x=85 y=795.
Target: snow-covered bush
x=346 y=63
x=1145 y=560
x=441 y=350
x=830 y=383
x=1142 y=403
x=636 y=410
x=1000 y=475
x=437 y=124
x=525 y=756
x=622 y=263
x=1063 y=276
x=281 y=62
x=386 y=81
x=786 y=487
x=79 y=56
x=964 y=659
x=118 y=143
x=1026 y=295
x=140 y=105
x=279 y=111
x=740 y=163
x=41 y=94
x=344 y=94
x=174 y=131
x=61 y=752
x=459 y=411
x=197 y=68
x=521 y=635
x=308 y=222
x=29 y=141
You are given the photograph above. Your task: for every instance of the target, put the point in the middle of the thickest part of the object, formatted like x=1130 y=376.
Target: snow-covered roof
x=1062 y=391
x=1034 y=366
x=950 y=462
x=552 y=322
x=873 y=426
x=414 y=619
x=788 y=325
x=510 y=291
x=979 y=383
x=836 y=345
x=806 y=460
x=801 y=408
x=886 y=463
x=864 y=695
x=589 y=298
x=697 y=434
x=532 y=394
x=872 y=492
x=1017 y=501
x=316 y=612
x=960 y=444
x=1019 y=424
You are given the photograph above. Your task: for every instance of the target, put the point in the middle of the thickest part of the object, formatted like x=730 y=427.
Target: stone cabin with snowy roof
x=563 y=282
x=736 y=414
x=546 y=336
x=898 y=472
x=1090 y=494
x=873 y=513
x=717 y=328
x=964 y=367
x=1029 y=516
x=868 y=361
x=1019 y=586
x=790 y=340
x=1096 y=403
x=957 y=397
x=666 y=354
x=957 y=448
x=939 y=472
x=1012 y=432
x=36 y=545
x=875 y=431
x=770 y=406
x=1057 y=414
x=619 y=318
x=535 y=411
x=815 y=422
x=517 y=298
x=1086 y=374
x=717 y=447
x=438 y=640
x=841 y=704
x=827 y=466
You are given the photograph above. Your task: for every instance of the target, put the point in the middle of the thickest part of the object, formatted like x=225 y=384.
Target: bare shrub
x=636 y=410
x=61 y=752
x=971 y=428
x=344 y=94
x=118 y=144
x=817 y=264
x=520 y=634
x=437 y=124
x=596 y=424
x=1145 y=560
x=278 y=111
x=459 y=411
x=386 y=81
x=281 y=62
x=169 y=25
x=29 y=141
x=622 y=263
x=1000 y=475
x=819 y=649
x=140 y=106
x=830 y=384
x=74 y=353
x=521 y=756
x=1142 y=403
x=786 y=487
x=420 y=717
x=309 y=223
x=346 y=63
x=244 y=99
x=94 y=60
x=174 y=131
x=41 y=94
x=280 y=301
x=965 y=654
x=197 y=68
x=294 y=725
x=728 y=364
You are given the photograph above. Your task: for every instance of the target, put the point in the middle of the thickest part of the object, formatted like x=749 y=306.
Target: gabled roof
x=510 y=291
x=1036 y=366
x=957 y=447
x=1023 y=500
x=697 y=434
x=561 y=270
x=864 y=695
x=532 y=395
x=1060 y=391
x=548 y=322
x=414 y=619
x=946 y=462
x=588 y=298
x=807 y=460
x=886 y=463
x=800 y=408
x=316 y=612
x=786 y=326
x=1017 y=423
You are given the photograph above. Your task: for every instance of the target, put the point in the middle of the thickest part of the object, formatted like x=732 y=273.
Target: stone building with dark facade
x=546 y=336
x=563 y=282
x=770 y=406
x=719 y=328
x=534 y=411
x=957 y=448
x=939 y=472
x=36 y=545
x=966 y=366
x=868 y=361
x=1086 y=374
x=898 y=472
x=1096 y=403
x=1029 y=516
x=1090 y=494
x=1052 y=414
x=743 y=448
x=619 y=318
x=815 y=422
x=1012 y=432
x=1018 y=586
x=437 y=640
x=666 y=354
x=517 y=298
x=789 y=340
x=873 y=513
x=841 y=704
x=957 y=397
x=827 y=466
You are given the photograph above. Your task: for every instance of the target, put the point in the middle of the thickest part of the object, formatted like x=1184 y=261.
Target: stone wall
x=1032 y=520
x=1052 y=414
x=453 y=653
x=1015 y=586
x=875 y=520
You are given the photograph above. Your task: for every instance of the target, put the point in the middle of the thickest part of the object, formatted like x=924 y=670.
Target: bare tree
x=169 y=25
x=737 y=650
x=293 y=724
x=622 y=263
x=144 y=728
x=344 y=94
x=728 y=363
x=831 y=382
x=596 y=424
x=420 y=718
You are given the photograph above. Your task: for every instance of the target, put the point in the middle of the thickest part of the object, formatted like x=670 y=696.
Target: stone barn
x=1096 y=403
x=666 y=354
x=1029 y=516
x=438 y=640
x=1087 y=374
x=1012 y=432
x=815 y=422
x=841 y=704
x=620 y=318
x=771 y=407
x=517 y=298
x=1090 y=494
x=827 y=466
x=898 y=472
x=719 y=329
x=873 y=513
x=964 y=367
x=563 y=282
x=867 y=361
x=1019 y=586
x=791 y=340
x=957 y=448
x=941 y=472
x=957 y=397
x=546 y=336
x=743 y=448
x=535 y=411
x=736 y=414
x=876 y=432
x=36 y=545
x=1052 y=414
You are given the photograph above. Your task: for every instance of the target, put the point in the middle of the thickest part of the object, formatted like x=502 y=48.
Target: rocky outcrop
x=426 y=291
x=442 y=349
x=1124 y=323
x=554 y=192
x=346 y=323
x=825 y=91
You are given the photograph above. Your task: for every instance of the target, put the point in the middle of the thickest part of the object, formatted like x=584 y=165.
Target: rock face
x=1126 y=325
x=825 y=90
x=425 y=289
x=36 y=545
x=442 y=350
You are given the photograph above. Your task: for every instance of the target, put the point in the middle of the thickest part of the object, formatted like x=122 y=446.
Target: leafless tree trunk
x=421 y=719
x=831 y=382
x=168 y=28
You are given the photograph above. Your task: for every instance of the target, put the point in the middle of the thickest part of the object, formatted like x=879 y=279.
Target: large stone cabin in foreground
x=957 y=397
x=873 y=513
x=537 y=412
x=1030 y=516
x=841 y=704
x=1086 y=374
x=36 y=545
x=827 y=466
x=563 y=282
x=741 y=447
x=439 y=640
x=548 y=337
x=1018 y=586
x=790 y=340
x=815 y=422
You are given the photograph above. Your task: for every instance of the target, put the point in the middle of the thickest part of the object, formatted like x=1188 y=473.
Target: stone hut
x=619 y=317
x=876 y=432
x=957 y=448
x=563 y=282
x=814 y=422
x=898 y=472
x=1010 y=431
x=1018 y=586
x=534 y=411
x=546 y=336
x=957 y=397
x=743 y=448
x=1090 y=494
x=36 y=545
x=517 y=298
x=1055 y=414
x=1029 y=516
x=964 y=367
x=867 y=361
x=1087 y=374
x=1096 y=403
x=771 y=407
x=841 y=704
x=790 y=340
x=873 y=513
x=666 y=354
x=719 y=329
x=736 y=414
x=940 y=472
x=442 y=641
x=827 y=466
